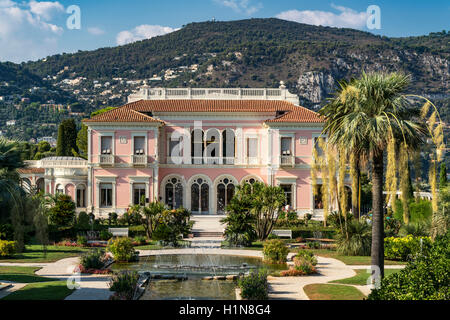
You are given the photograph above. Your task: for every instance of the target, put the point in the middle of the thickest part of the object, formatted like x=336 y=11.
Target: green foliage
x=275 y=251
x=307 y=256
x=7 y=248
x=420 y=210
x=405 y=248
x=124 y=285
x=63 y=211
x=173 y=226
x=443 y=176
x=355 y=239
x=240 y=221
x=255 y=286
x=67 y=136
x=122 y=249
x=83 y=221
x=105 y=235
x=82 y=240
x=425 y=278
x=93 y=259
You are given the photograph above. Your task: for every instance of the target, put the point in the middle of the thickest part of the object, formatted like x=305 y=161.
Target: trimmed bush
x=124 y=285
x=82 y=241
x=275 y=251
x=254 y=286
x=405 y=248
x=105 y=235
x=7 y=248
x=307 y=256
x=122 y=249
x=93 y=259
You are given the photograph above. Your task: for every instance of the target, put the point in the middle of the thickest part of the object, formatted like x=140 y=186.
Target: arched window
x=228 y=146
x=81 y=196
x=40 y=185
x=251 y=180
x=225 y=192
x=200 y=196
x=59 y=189
x=212 y=146
x=174 y=193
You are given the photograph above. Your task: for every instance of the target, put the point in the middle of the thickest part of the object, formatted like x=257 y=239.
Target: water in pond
x=194 y=267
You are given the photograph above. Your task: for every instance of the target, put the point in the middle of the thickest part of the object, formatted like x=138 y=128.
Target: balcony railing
x=203 y=160
x=106 y=159
x=139 y=160
x=287 y=161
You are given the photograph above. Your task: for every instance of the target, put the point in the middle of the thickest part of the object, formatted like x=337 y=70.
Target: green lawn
x=56 y=290
x=332 y=292
x=351 y=260
x=21 y=275
x=361 y=277
x=35 y=254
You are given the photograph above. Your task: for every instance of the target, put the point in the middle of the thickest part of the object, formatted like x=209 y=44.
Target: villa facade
x=190 y=148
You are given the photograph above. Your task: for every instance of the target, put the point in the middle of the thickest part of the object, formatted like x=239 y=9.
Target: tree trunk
x=356 y=210
x=377 y=214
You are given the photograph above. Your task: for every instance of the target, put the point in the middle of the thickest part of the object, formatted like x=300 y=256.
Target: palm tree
x=363 y=118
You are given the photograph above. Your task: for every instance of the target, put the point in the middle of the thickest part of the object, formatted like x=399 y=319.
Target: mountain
x=261 y=52
x=245 y=53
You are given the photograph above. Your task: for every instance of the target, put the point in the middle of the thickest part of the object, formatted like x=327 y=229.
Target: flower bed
x=83 y=270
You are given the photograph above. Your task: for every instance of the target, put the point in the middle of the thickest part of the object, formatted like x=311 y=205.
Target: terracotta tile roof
x=209 y=106
x=31 y=170
x=122 y=114
x=299 y=115
x=134 y=112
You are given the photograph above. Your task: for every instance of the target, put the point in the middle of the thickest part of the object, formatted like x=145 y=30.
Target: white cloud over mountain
x=345 y=18
x=142 y=32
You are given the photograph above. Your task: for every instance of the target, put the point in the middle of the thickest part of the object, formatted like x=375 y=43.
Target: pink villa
x=189 y=147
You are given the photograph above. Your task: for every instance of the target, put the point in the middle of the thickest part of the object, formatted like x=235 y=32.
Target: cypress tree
x=67 y=138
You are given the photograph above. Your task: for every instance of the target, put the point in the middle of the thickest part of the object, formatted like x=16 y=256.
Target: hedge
x=305 y=232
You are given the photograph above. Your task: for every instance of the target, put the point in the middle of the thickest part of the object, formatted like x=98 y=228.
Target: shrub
x=124 y=285
x=63 y=212
x=240 y=230
x=313 y=245
x=6 y=232
x=254 y=286
x=140 y=240
x=307 y=256
x=105 y=235
x=419 y=210
x=275 y=251
x=7 y=248
x=93 y=259
x=404 y=248
x=424 y=278
x=82 y=240
x=83 y=221
x=122 y=249
x=272 y=236
x=292 y=216
x=355 y=239
x=174 y=225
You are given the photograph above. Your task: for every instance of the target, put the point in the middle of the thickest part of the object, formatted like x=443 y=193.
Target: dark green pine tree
x=443 y=176
x=60 y=145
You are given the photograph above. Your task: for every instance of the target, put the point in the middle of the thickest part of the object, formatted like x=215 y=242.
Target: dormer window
x=280 y=113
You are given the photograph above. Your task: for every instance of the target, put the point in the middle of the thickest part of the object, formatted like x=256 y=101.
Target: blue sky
x=30 y=30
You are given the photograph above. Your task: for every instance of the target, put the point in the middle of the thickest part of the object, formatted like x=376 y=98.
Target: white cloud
x=24 y=32
x=346 y=18
x=96 y=31
x=45 y=9
x=142 y=32
x=241 y=6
